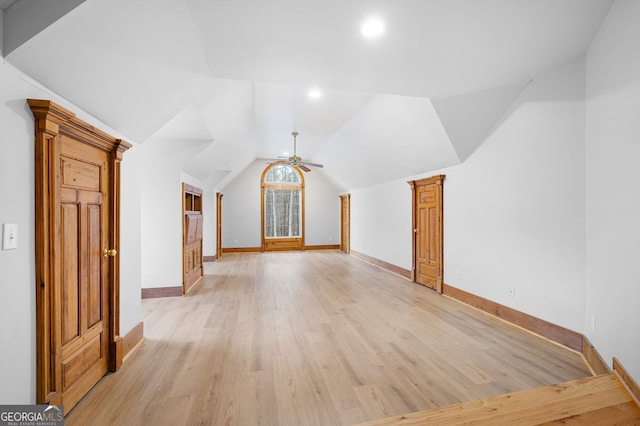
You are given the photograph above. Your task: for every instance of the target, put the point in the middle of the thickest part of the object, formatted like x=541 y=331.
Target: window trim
x=280 y=243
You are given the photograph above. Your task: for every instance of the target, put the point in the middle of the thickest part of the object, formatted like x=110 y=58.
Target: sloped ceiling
x=227 y=81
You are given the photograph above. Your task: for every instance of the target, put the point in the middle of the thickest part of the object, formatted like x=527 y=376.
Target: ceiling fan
x=294 y=160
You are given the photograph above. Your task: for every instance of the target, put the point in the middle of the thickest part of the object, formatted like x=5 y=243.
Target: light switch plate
x=9 y=236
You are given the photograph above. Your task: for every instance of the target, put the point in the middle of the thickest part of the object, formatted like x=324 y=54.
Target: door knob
x=107 y=252
x=416 y=230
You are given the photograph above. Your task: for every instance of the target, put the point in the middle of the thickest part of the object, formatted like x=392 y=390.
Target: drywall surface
x=130 y=253
x=613 y=185
x=513 y=211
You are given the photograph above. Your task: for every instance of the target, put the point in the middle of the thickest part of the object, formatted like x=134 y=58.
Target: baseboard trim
x=209 y=258
x=382 y=264
x=631 y=384
x=593 y=358
x=323 y=247
x=241 y=250
x=157 y=292
x=133 y=338
x=551 y=331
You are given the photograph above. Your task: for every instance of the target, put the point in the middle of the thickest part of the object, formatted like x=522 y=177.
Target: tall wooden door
x=428 y=232
x=77 y=191
x=192 y=267
x=84 y=216
x=345 y=223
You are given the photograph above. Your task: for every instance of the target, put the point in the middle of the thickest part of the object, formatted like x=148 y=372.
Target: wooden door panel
x=432 y=234
x=79 y=174
x=95 y=282
x=74 y=366
x=70 y=320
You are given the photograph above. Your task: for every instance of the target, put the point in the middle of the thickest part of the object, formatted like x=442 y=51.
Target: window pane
x=282 y=173
x=282 y=213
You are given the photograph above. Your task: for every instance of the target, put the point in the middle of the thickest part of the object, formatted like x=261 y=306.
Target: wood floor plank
x=314 y=338
x=590 y=401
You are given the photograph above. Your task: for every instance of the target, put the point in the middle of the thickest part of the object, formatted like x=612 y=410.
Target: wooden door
x=428 y=232
x=192 y=267
x=218 y=224
x=77 y=191
x=84 y=216
x=345 y=223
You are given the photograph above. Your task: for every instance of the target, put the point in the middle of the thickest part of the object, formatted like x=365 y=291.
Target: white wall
x=321 y=210
x=613 y=187
x=161 y=219
x=241 y=226
x=130 y=239
x=513 y=212
x=381 y=222
x=17 y=281
x=241 y=208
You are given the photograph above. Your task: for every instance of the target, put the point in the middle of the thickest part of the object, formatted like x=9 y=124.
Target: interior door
x=84 y=218
x=77 y=184
x=345 y=223
x=428 y=230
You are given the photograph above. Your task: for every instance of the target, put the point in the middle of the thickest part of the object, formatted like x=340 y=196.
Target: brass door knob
x=107 y=252
x=416 y=230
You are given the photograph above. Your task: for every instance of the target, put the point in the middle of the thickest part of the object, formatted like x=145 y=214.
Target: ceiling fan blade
x=303 y=167
x=313 y=164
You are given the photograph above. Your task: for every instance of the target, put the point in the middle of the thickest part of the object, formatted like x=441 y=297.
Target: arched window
x=282 y=208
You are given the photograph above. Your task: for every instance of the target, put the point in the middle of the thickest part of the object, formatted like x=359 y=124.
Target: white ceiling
x=231 y=77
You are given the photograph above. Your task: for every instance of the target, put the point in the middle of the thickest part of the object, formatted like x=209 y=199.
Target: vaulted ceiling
x=228 y=80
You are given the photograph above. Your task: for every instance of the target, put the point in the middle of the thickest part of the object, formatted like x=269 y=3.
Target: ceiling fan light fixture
x=295 y=160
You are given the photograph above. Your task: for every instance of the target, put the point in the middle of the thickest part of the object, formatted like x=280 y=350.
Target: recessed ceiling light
x=372 y=27
x=315 y=93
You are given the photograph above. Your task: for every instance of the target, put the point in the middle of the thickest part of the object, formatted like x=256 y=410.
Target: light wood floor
x=314 y=338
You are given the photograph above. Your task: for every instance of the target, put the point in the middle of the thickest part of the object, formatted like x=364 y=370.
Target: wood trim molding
x=630 y=384
x=345 y=223
x=323 y=247
x=209 y=258
x=593 y=358
x=382 y=264
x=241 y=249
x=553 y=332
x=157 y=292
x=133 y=338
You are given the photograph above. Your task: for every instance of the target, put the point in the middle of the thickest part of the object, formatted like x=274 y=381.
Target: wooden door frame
x=51 y=121
x=438 y=180
x=219 y=196
x=345 y=198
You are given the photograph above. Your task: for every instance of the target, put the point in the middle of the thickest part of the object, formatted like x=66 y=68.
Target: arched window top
x=282 y=173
